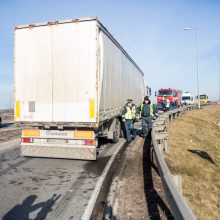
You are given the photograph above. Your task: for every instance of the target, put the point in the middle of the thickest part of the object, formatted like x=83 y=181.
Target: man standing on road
x=128 y=117
x=146 y=116
x=167 y=104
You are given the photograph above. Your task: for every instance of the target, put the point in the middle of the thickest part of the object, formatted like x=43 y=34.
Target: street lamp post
x=218 y=58
x=219 y=79
x=197 y=60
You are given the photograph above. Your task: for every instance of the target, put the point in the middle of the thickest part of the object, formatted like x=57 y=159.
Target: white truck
x=72 y=79
x=188 y=99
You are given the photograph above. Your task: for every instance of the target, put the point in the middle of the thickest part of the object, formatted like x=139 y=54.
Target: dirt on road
x=139 y=193
x=194 y=153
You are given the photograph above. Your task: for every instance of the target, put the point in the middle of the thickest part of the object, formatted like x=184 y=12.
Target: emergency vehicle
x=173 y=95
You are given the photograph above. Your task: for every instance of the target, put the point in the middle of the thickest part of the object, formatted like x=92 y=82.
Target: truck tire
x=117 y=132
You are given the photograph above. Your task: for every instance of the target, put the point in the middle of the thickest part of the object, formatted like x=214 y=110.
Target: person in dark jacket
x=145 y=114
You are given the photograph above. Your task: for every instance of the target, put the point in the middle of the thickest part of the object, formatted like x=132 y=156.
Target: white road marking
x=90 y=206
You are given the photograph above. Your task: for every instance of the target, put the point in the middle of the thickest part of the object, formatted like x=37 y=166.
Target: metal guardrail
x=179 y=207
x=7 y=117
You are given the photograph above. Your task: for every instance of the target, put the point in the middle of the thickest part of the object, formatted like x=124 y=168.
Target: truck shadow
x=103 y=141
x=153 y=199
x=23 y=210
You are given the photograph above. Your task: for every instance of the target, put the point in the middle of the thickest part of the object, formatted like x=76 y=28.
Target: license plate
x=57 y=141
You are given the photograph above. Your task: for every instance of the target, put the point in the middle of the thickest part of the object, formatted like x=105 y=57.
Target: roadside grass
x=198 y=131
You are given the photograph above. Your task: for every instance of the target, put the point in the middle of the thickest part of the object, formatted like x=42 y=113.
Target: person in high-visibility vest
x=146 y=114
x=167 y=104
x=128 y=117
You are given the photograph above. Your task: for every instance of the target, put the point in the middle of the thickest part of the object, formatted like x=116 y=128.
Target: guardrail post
x=171 y=117
x=178 y=181
x=162 y=140
x=160 y=145
x=166 y=144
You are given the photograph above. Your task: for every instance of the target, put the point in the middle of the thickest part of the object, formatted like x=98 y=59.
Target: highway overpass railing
x=7 y=117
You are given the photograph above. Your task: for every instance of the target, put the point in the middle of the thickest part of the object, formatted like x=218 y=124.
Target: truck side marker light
x=92 y=108
x=17 y=109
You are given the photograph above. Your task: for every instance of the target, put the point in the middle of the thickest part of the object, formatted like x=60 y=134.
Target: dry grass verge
x=199 y=132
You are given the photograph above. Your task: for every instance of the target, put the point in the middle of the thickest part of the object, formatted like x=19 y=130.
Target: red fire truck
x=173 y=95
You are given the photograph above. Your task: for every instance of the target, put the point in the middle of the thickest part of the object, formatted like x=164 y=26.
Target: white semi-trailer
x=72 y=79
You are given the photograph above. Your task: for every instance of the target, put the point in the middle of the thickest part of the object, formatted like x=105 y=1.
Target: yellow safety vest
x=151 y=109
x=130 y=114
x=168 y=103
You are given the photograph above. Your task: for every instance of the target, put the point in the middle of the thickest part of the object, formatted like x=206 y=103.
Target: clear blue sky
x=152 y=32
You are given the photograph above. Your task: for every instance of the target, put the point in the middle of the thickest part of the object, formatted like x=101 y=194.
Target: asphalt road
x=39 y=188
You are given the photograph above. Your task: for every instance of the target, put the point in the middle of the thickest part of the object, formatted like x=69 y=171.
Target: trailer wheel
x=117 y=132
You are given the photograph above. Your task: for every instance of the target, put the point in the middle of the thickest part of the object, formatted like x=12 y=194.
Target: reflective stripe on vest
x=151 y=110
x=142 y=105
x=168 y=103
x=130 y=114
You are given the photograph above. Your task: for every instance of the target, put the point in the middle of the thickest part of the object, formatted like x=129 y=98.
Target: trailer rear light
x=84 y=134
x=90 y=142
x=27 y=140
x=31 y=133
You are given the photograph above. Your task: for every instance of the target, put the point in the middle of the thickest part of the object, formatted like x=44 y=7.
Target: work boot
x=143 y=135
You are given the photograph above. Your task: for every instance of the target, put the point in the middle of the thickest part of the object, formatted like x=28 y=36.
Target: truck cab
x=173 y=95
x=188 y=99
x=204 y=99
